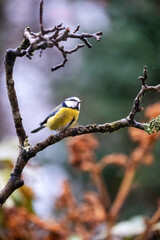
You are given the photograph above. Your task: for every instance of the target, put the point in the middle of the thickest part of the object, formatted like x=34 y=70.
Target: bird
x=63 y=116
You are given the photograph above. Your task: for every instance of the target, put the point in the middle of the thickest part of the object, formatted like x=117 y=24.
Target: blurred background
x=105 y=77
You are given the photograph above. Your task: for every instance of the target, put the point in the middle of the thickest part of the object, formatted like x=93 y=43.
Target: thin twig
x=64 y=54
x=41 y=18
x=123 y=191
x=77 y=29
x=102 y=189
x=145 y=88
x=145 y=76
x=44 y=39
x=154 y=219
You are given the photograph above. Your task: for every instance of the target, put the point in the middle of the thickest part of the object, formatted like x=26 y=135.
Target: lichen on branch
x=153 y=126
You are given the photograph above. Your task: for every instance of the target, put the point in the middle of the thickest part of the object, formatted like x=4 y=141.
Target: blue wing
x=53 y=113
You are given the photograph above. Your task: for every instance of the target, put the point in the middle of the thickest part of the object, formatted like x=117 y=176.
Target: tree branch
x=9 y=64
x=149 y=223
x=123 y=191
x=27 y=152
x=41 y=18
x=48 y=38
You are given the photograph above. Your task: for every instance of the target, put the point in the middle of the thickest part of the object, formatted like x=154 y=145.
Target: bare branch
x=48 y=38
x=44 y=39
x=60 y=65
x=15 y=180
x=77 y=29
x=84 y=37
x=145 y=76
x=145 y=88
x=123 y=191
x=149 y=223
x=74 y=49
x=64 y=54
x=41 y=18
x=9 y=64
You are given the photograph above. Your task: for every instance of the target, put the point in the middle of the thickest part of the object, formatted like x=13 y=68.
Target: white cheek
x=71 y=104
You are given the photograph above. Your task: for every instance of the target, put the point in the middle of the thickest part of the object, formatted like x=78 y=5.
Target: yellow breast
x=62 y=119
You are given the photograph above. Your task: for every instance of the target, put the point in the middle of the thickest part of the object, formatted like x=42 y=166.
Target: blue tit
x=63 y=116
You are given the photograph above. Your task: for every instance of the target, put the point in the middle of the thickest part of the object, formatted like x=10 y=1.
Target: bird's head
x=72 y=102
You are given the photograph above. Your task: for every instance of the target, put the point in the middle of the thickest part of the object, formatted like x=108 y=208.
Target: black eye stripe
x=72 y=100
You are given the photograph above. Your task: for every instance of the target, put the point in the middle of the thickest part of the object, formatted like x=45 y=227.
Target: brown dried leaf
x=153 y=110
x=115 y=158
x=137 y=135
x=81 y=151
x=92 y=210
x=148 y=159
x=66 y=200
x=19 y=224
x=144 y=139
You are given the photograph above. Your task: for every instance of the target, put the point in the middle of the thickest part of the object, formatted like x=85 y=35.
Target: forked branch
x=52 y=37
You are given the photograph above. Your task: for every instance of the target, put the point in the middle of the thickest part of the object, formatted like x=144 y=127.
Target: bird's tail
x=38 y=129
